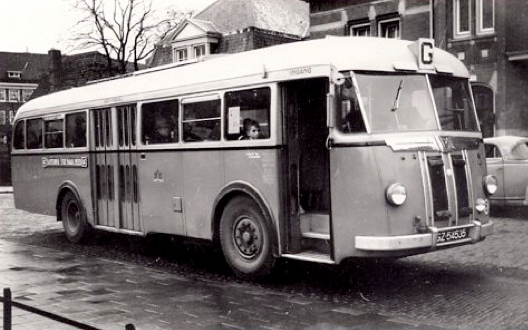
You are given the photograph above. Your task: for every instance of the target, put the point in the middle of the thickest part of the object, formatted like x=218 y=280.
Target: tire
x=246 y=239
x=74 y=220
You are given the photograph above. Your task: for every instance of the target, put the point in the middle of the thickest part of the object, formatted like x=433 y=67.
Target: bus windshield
x=396 y=102
x=453 y=103
x=402 y=102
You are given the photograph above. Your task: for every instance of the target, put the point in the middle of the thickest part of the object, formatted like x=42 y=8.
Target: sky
x=37 y=26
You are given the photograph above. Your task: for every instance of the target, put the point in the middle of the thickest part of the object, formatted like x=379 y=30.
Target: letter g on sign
x=426 y=48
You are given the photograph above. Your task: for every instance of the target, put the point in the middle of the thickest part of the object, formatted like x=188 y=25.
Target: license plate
x=452 y=235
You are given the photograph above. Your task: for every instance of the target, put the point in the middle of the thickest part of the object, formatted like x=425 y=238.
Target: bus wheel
x=74 y=219
x=245 y=238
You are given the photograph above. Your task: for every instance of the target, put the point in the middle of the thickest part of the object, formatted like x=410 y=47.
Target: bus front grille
x=449 y=190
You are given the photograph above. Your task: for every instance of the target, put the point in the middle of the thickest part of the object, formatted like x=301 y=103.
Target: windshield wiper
x=396 y=103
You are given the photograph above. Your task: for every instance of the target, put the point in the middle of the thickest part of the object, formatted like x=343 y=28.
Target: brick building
x=489 y=36
x=231 y=26
x=24 y=76
x=19 y=77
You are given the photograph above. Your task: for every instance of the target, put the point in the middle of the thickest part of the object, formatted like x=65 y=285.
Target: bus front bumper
x=434 y=238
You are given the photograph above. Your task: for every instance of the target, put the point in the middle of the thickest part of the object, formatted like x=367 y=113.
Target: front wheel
x=74 y=220
x=246 y=239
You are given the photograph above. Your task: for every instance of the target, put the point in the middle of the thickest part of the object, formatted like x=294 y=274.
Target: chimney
x=55 y=69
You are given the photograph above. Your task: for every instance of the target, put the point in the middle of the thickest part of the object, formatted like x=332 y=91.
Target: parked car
x=507 y=160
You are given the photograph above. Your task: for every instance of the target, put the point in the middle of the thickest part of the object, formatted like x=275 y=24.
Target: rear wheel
x=74 y=220
x=246 y=239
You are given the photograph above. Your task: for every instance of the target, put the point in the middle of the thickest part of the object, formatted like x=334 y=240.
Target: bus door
x=105 y=166
x=127 y=171
x=307 y=167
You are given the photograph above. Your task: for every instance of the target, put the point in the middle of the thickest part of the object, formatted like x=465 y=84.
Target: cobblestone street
x=473 y=287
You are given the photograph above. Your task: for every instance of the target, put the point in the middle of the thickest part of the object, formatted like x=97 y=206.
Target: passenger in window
x=163 y=132
x=251 y=130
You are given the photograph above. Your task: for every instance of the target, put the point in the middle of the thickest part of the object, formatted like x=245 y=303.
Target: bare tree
x=125 y=30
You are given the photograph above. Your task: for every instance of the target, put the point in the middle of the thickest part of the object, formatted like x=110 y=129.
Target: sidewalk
x=109 y=294
x=6 y=190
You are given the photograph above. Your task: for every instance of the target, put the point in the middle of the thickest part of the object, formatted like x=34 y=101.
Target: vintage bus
x=367 y=147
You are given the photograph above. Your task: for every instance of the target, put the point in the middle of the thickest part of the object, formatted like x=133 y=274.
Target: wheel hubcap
x=247 y=237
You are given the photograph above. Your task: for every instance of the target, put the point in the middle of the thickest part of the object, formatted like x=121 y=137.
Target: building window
x=13 y=74
x=4 y=118
x=360 y=30
x=14 y=95
x=462 y=18
x=389 y=28
x=26 y=94
x=485 y=16
x=199 y=51
x=3 y=94
x=180 y=55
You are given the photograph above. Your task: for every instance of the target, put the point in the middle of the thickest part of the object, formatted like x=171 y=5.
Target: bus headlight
x=396 y=194
x=490 y=184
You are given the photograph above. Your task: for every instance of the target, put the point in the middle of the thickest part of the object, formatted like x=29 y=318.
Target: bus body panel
x=162 y=191
x=357 y=204
x=258 y=168
x=202 y=180
x=42 y=184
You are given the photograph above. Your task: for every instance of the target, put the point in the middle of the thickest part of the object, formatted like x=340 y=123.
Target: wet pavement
x=483 y=286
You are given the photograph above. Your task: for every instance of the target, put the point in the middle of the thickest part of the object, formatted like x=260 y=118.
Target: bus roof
x=343 y=53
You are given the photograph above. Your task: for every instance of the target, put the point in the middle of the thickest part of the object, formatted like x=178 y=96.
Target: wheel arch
x=66 y=187
x=241 y=188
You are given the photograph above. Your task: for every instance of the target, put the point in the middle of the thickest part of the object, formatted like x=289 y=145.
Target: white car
x=507 y=160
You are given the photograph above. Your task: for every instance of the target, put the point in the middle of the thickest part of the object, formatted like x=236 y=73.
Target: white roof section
x=511 y=147
x=343 y=53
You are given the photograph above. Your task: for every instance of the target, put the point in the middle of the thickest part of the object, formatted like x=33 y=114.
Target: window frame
x=178 y=52
x=4 y=95
x=14 y=74
x=197 y=47
x=480 y=17
x=225 y=113
x=359 y=27
x=457 y=34
x=388 y=21
x=141 y=118
x=66 y=134
x=184 y=120
x=46 y=134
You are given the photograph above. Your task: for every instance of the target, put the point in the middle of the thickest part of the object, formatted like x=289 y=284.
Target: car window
x=492 y=151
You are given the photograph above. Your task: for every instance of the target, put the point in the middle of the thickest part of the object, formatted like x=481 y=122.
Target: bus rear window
x=53 y=133
x=18 y=136
x=34 y=134
x=76 y=130
x=248 y=114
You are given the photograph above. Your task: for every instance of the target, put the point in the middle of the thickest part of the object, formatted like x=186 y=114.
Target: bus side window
x=247 y=105
x=53 y=133
x=201 y=121
x=18 y=136
x=159 y=122
x=34 y=134
x=76 y=130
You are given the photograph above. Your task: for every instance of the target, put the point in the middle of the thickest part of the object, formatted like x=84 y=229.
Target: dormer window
x=180 y=55
x=199 y=51
x=14 y=74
